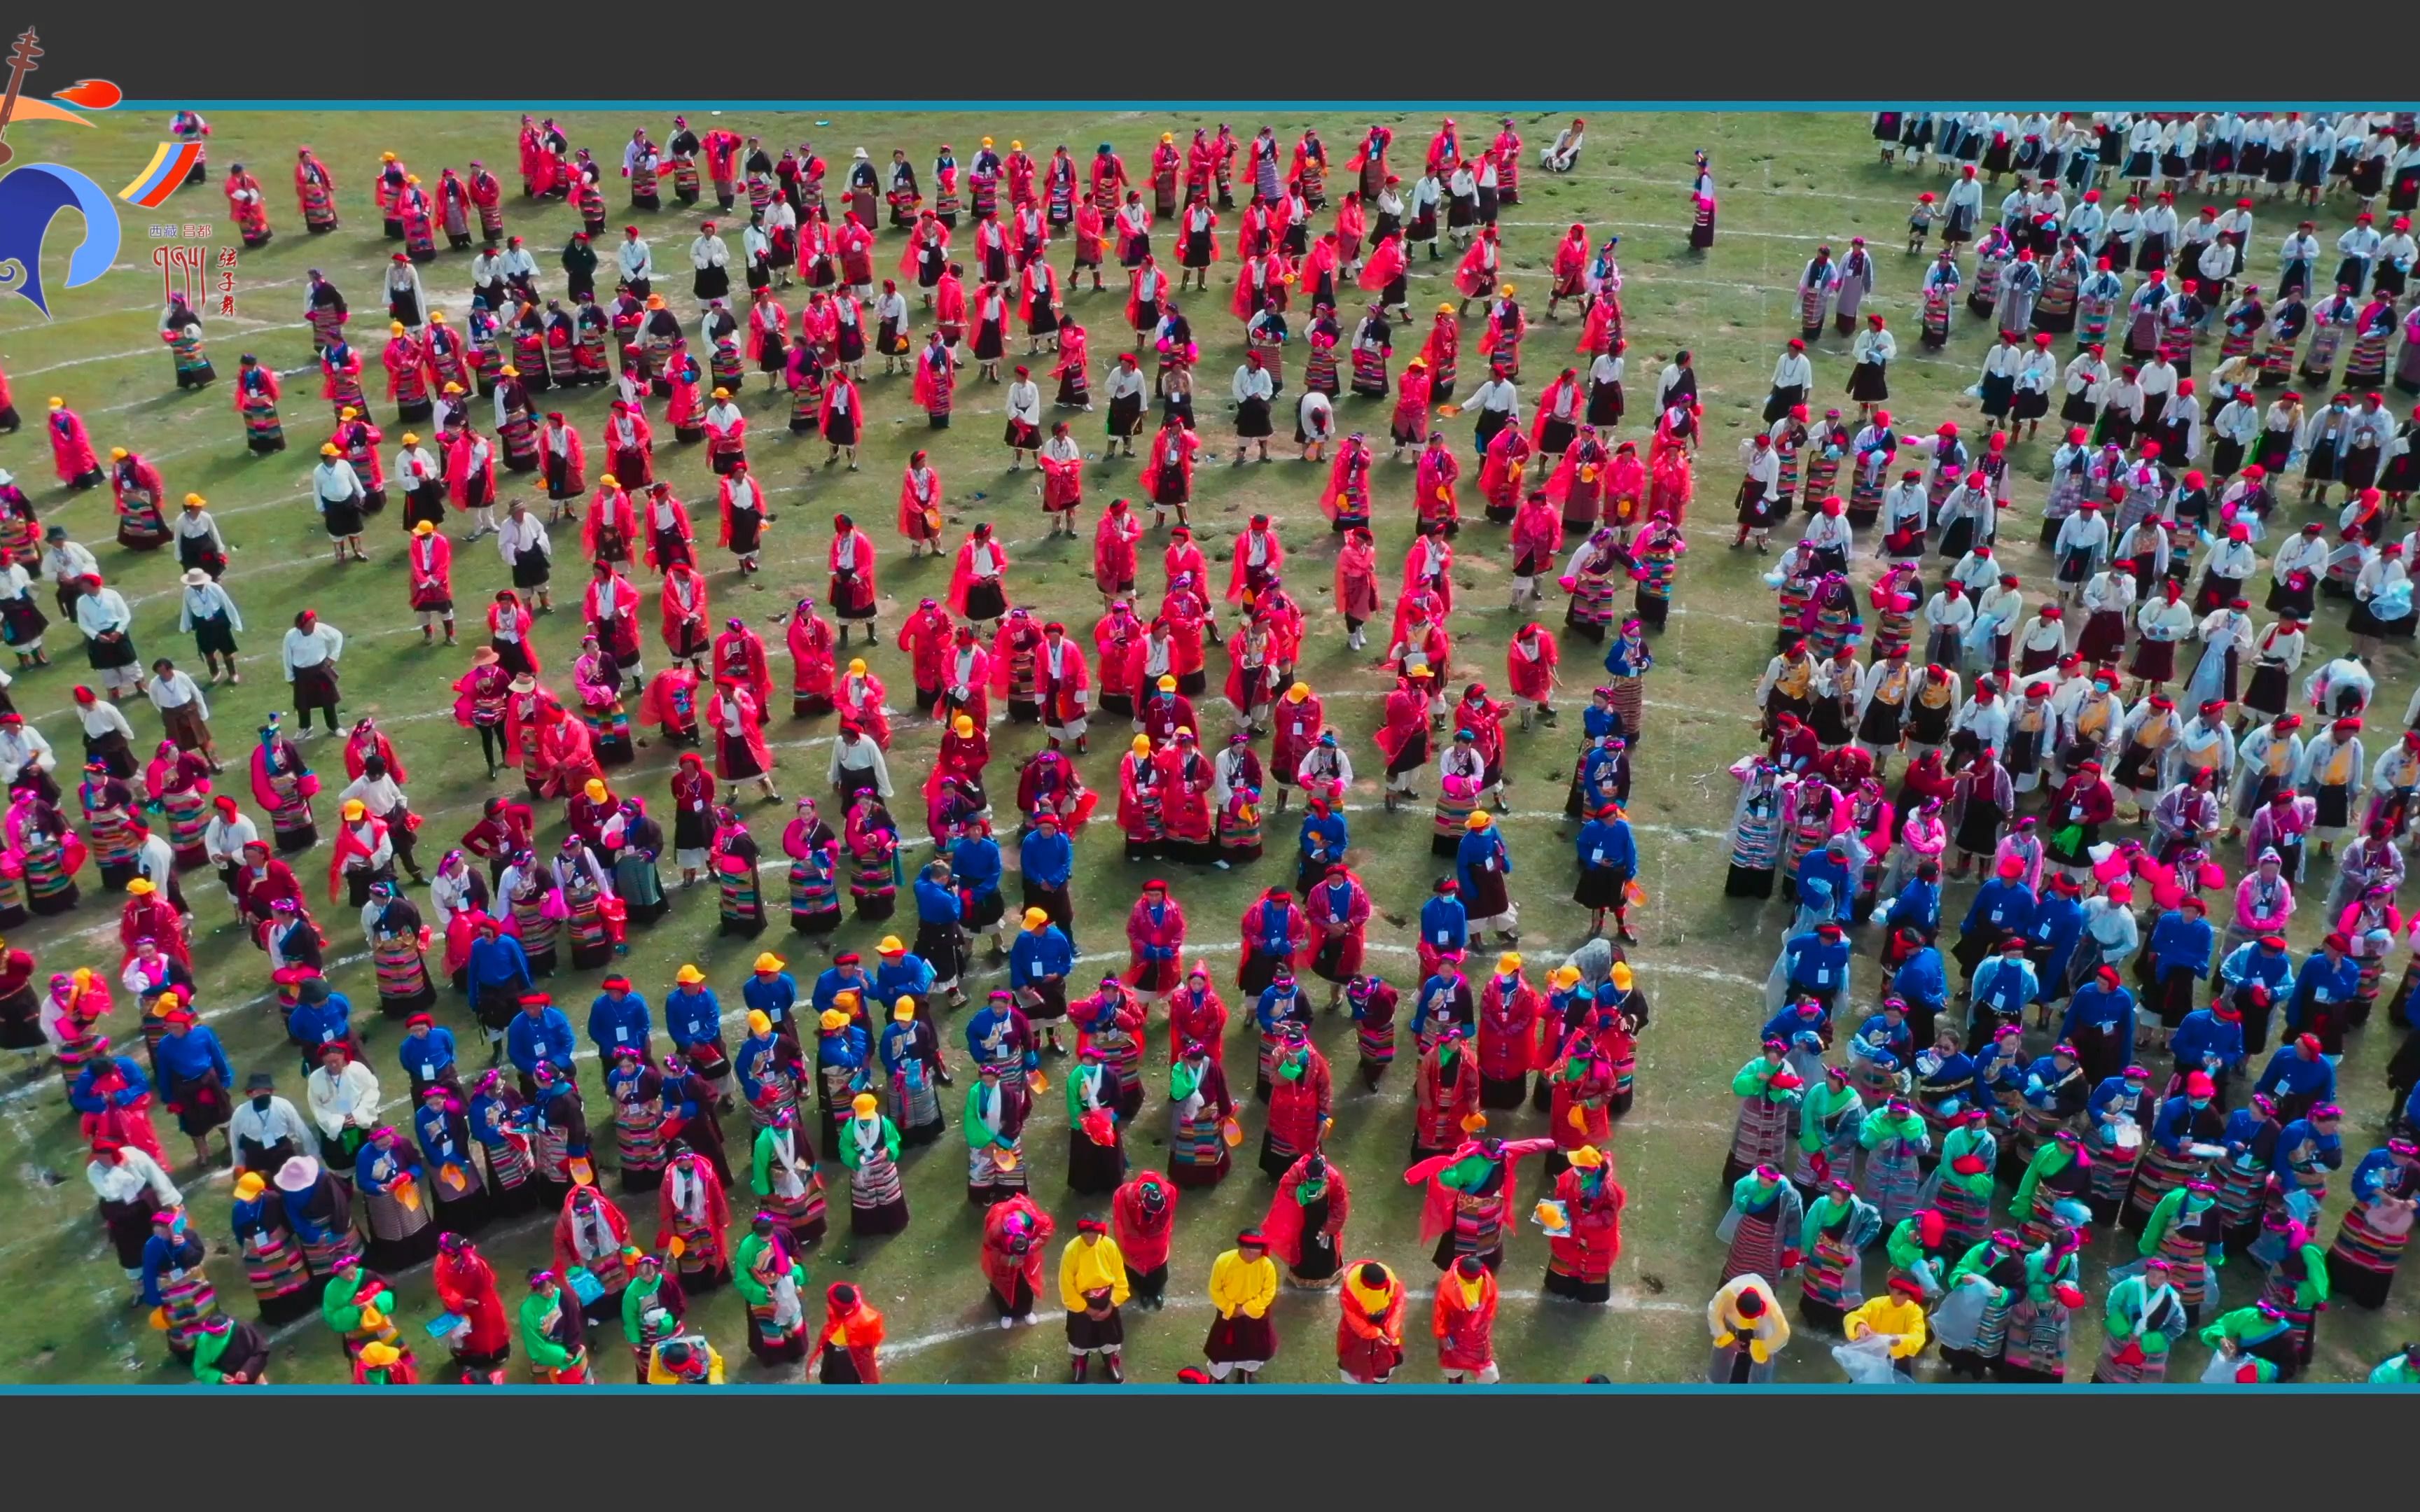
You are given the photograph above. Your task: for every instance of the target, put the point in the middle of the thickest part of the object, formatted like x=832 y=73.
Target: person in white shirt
x=523 y=542
x=637 y=261
x=226 y=837
x=107 y=738
x=25 y=755
x=1314 y=425
x=384 y=800
x=199 y=542
x=267 y=1131
x=122 y=1175
x=2081 y=550
x=340 y=495
x=342 y=1095
x=1023 y=431
x=1498 y=404
x=1251 y=390
x=1793 y=376
x=2036 y=372
x=207 y=612
x=857 y=763
x=309 y=654
x=520 y=270
x=183 y=712
x=1760 y=495
x=1562 y=154
x=108 y=627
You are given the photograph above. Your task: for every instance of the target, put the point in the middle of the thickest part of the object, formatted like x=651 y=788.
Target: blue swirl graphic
x=31 y=197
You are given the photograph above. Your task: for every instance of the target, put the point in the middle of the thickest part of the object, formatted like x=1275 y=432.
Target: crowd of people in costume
x=2157 y=1104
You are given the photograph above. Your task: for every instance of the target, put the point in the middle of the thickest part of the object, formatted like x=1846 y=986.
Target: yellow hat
x=863 y=1105
x=249 y=1185
x=833 y=1018
x=410 y=438
x=118 y=453
x=689 y=975
x=412 y=179
x=963 y=726
x=759 y=1022
x=723 y=393
x=1167 y=136
x=508 y=370
x=1622 y=975
x=395 y=328
x=141 y=888
x=1564 y=976
x=595 y=786
x=1016 y=146
x=196 y=501
x=1445 y=309
x=610 y=481
x=845 y=999
x=767 y=961
x=1588 y=1157
x=58 y=403
x=1166 y=684
x=903 y=1010
x=986 y=141
x=450 y=388
x=1477 y=820
x=1299 y=692
x=329 y=449
x=349 y=413
x=354 y=808
x=1035 y=918
x=424 y=527
x=857 y=667
x=1473 y=1122
x=377 y=1355
x=386 y=157
x=891 y=946
x=1509 y=963
x=1506 y=290
x=436 y=318
x=1143 y=745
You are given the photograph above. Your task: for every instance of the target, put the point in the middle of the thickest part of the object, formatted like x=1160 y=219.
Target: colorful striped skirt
x=1378 y=1046
x=189 y=814
x=324 y=1254
x=591 y=942
x=50 y=888
x=775 y=1091
x=813 y=896
x=917 y=1103
x=874 y=1184
x=1755 y=1248
x=2038 y=1338
x=292 y=822
x=2113 y=1172
x=274 y=1266
x=1965 y=1215
x=2362 y=1262
x=187 y=1299
x=1629 y=703
x=1591 y=600
x=1197 y=1156
x=1892 y=1178
x=2188 y=1268
x=114 y=842
x=1832 y=1282
x=538 y=932
x=403 y=981
x=2240 y=1193
x=638 y=1144
x=801 y=1212
x=2143 y=1369
x=2156 y=1175
x=741 y=905
x=1760 y=1135
x=508 y=1165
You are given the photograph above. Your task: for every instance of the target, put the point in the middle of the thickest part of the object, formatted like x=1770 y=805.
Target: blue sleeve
x=153 y=1252
x=560 y=1037
x=519 y=956
x=138 y=1082
x=219 y=1061
x=2269 y=1073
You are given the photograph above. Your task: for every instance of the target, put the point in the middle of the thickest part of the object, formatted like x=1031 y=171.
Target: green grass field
x=1786 y=181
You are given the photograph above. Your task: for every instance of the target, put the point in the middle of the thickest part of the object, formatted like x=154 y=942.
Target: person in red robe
x=629 y=445
x=1410 y=425
x=1580 y=1255
x=610 y=609
x=1014 y=1232
x=1509 y=1007
x=854 y=593
x=1155 y=941
x=921 y=499
x=1142 y=1220
x=1403 y=736
x=1168 y=476
x=72 y=453
x=740 y=658
x=852 y=1338
x=1340 y=910
x=1305 y=1223
x=670 y=704
x=1185 y=776
x=609 y=529
x=566 y=755
x=465 y=1284
x=1275 y=930
x=925 y=637
x=1370 y=1323
x=1530 y=663
x=147 y=916
x=1346 y=499
x=966 y=680
x=691 y=1205
x=1500 y=472
x=734 y=716
x=812 y=661
x=683 y=616
x=1462 y=1320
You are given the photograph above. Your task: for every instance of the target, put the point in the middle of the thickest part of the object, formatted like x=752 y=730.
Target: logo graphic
x=171 y=161
x=32 y=197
